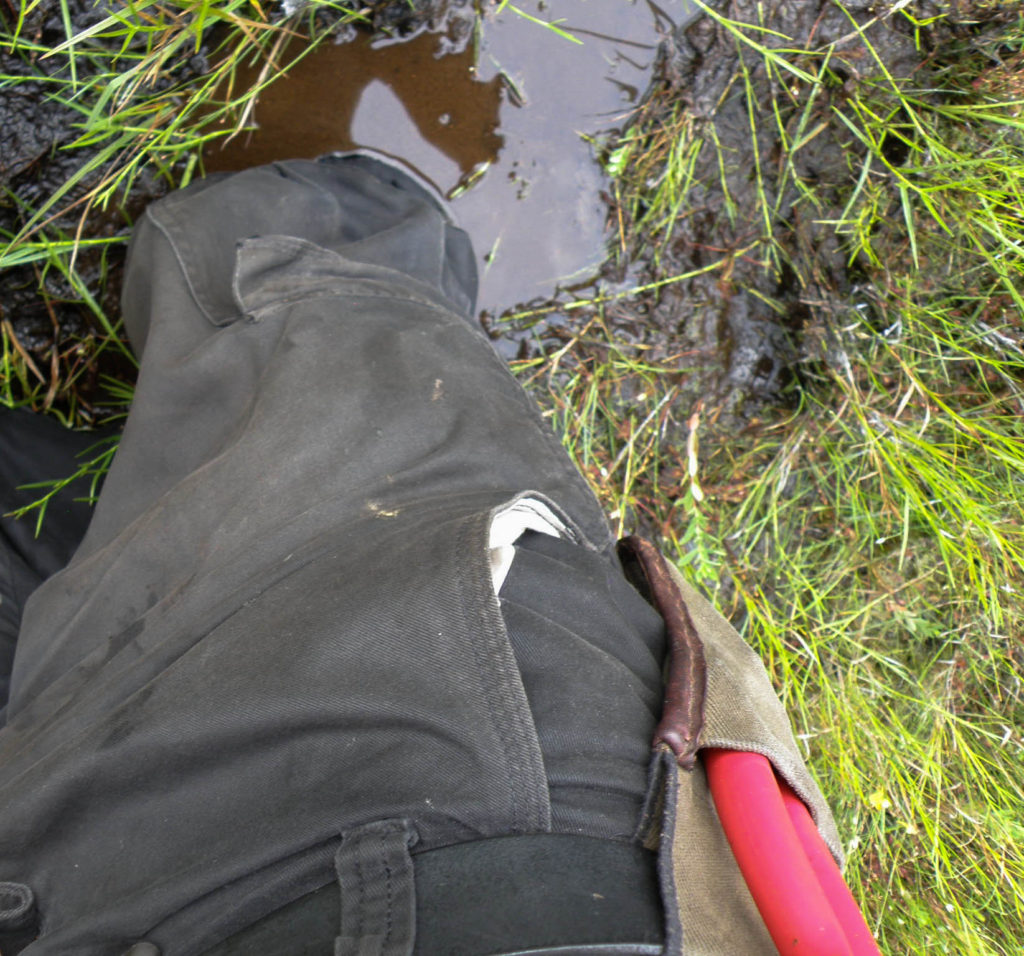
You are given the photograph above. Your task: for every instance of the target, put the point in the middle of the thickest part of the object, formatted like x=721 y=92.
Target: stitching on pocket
x=508 y=709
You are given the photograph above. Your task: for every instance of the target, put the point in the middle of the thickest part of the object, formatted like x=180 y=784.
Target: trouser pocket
x=589 y=652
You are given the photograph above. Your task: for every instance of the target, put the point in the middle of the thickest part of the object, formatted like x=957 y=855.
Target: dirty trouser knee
x=282 y=624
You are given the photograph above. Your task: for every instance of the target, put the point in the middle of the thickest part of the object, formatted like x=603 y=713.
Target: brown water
x=502 y=116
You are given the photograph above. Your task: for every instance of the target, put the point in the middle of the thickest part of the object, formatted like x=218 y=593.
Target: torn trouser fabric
x=278 y=656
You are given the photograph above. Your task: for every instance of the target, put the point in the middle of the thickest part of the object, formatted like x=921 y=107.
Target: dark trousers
x=35 y=450
x=281 y=625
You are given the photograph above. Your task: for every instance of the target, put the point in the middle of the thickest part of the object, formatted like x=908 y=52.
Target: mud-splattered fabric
x=281 y=625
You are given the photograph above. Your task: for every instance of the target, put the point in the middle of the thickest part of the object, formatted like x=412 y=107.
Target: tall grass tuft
x=867 y=534
x=144 y=87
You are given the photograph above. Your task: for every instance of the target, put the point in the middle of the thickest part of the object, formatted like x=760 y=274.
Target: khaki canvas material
x=715 y=909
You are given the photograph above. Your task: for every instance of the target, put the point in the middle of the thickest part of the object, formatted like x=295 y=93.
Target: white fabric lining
x=524 y=514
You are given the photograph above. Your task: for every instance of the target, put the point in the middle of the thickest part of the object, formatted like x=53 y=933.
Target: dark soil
x=39 y=305
x=748 y=332
x=44 y=313
x=748 y=336
x=753 y=334
x=756 y=323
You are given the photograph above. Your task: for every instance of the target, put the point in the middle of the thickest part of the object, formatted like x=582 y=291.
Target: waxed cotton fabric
x=281 y=626
x=281 y=623
x=716 y=914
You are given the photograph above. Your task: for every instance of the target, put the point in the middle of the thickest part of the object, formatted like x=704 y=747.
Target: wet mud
x=41 y=310
x=511 y=121
x=747 y=335
x=749 y=330
x=43 y=315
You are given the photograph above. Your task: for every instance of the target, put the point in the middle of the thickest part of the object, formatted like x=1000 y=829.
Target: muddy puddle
x=505 y=116
x=508 y=118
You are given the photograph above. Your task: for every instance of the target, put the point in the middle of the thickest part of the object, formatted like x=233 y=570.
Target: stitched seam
x=304 y=249
x=361 y=909
x=296 y=297
x=518 y=755
x=488 y=680
x=388 y=891
x=183 y=264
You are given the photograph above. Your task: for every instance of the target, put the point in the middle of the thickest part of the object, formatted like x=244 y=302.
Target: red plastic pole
x=838 y=894
x=771 y=856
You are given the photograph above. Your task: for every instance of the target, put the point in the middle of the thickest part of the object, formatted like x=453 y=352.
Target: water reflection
x=507 y=125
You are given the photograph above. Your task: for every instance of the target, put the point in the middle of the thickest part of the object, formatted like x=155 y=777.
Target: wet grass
x=144 y=87
x=53 y=380
x=152 y=83
x=866 y=533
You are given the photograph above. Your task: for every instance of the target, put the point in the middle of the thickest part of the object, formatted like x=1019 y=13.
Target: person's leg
x=386 y=393
x=283 y=622
x=34 y=449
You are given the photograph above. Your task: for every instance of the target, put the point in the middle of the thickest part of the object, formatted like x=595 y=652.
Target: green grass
x=867 y=533
x=55 y=385
x=138 y=109
x=868 y=537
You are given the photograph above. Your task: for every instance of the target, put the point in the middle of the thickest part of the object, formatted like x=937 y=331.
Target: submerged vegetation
x=815 y=400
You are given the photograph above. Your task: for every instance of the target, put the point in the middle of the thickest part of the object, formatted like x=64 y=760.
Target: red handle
x=782 y=861
x=838 y=894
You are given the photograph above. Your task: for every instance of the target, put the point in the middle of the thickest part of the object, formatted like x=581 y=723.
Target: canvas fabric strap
x=742 y=712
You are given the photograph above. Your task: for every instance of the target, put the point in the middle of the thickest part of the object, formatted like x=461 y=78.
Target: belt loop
x=378 y=891
x=17 y=906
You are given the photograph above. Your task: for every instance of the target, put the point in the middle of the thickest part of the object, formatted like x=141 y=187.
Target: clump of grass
x=867 y=535
x=62 y=379
x=145 y=88
x=613 y=405
x=153 y=83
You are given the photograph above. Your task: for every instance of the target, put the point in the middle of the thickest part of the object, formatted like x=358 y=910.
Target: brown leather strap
x=682 y=718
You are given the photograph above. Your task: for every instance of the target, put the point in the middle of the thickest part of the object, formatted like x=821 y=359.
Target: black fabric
x=17 y=906
x=34 y=448
x=281 y=623
x=19 y=917
x=504 y=895
x=14 y=942
x=535 y=893
x=17 y=581
x=378 y=892
x=589 y=651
